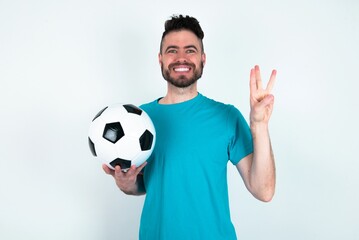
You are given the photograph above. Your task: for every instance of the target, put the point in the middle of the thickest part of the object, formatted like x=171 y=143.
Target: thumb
x=107 y=170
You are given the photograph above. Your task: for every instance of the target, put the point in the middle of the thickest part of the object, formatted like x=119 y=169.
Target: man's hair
x=180 y=22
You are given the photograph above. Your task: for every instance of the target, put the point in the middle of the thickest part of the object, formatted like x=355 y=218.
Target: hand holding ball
x=122 y=134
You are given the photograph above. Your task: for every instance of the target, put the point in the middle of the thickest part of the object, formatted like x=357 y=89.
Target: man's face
x=181 y=58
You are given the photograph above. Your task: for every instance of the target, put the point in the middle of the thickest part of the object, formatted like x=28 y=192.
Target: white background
x=62 y=61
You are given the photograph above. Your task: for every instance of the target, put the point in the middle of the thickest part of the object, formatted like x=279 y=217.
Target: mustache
x=172 y=65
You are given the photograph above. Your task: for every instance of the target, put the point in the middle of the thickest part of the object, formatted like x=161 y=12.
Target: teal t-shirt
x=186 y=175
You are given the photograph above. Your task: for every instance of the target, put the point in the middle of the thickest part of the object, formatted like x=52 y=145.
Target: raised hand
x=261 y=100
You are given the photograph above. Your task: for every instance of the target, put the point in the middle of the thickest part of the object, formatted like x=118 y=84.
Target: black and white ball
x=122 y=134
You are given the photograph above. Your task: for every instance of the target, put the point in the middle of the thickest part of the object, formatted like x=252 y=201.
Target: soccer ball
x=122 y=134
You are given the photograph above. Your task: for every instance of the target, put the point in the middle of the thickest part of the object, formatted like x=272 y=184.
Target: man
x=185 y=179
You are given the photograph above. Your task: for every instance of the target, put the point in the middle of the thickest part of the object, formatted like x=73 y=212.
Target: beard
x=182 y=81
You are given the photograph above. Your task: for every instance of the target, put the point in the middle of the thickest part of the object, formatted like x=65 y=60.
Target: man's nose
x=181 y=56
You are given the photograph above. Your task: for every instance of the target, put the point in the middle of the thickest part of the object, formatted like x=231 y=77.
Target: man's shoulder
x=148 y=105
x=218 y=104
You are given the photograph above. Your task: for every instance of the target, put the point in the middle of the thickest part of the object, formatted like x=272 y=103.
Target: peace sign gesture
x=261 y=100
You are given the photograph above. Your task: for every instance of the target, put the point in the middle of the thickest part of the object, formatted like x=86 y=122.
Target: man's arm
x=130 y=182
x=258 y=169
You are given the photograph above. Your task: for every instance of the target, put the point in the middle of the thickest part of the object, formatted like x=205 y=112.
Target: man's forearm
x=262 y=177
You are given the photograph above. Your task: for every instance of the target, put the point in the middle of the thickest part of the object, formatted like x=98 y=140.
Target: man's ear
x=160 y=59
x=203 y=58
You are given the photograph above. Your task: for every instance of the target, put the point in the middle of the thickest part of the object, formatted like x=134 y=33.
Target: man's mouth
x=181 y=69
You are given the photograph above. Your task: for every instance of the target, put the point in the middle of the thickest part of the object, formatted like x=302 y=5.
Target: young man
x=185 y=179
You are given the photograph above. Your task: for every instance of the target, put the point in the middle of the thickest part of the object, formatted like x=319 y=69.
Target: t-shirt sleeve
x=240 y=137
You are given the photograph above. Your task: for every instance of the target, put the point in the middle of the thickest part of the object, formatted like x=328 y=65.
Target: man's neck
x=178 y=95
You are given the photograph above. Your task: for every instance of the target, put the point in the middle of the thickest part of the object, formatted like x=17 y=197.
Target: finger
x=118 y=168
x=139 y=169
x=258 y=76
x=107 y=170
x=118 y=172
x=131 y=170
x=266 y=101
x=271 y=81
x=252 y=82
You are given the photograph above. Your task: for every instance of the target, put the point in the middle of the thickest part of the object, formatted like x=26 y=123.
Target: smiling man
x=185 y=179
x=182 y=58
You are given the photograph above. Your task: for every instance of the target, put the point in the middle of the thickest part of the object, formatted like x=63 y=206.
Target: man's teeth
x=182 y=69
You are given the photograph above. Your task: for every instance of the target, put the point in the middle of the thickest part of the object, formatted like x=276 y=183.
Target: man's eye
x=190 y=51
x=172 y=51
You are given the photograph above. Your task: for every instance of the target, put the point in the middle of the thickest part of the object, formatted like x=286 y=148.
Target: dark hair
x=180 y=22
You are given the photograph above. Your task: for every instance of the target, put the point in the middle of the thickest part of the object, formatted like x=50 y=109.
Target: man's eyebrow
x=191 y=46
x=172 y=46
x=177 y=47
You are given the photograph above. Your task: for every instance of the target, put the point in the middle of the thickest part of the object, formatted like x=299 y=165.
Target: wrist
x=130 y=190
x=257 y=127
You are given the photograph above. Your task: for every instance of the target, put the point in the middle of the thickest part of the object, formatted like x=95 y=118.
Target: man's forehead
x=181 y=38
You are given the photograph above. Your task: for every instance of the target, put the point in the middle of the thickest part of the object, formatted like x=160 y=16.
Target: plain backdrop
x=62 y=61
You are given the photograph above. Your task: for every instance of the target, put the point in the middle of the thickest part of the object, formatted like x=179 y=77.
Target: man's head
x=181 y=55
x=178 y=23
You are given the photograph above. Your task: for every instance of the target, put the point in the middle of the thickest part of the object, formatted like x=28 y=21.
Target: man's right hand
x=130 y=182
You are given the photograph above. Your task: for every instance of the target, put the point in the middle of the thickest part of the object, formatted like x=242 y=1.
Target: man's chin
x=181 y=83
